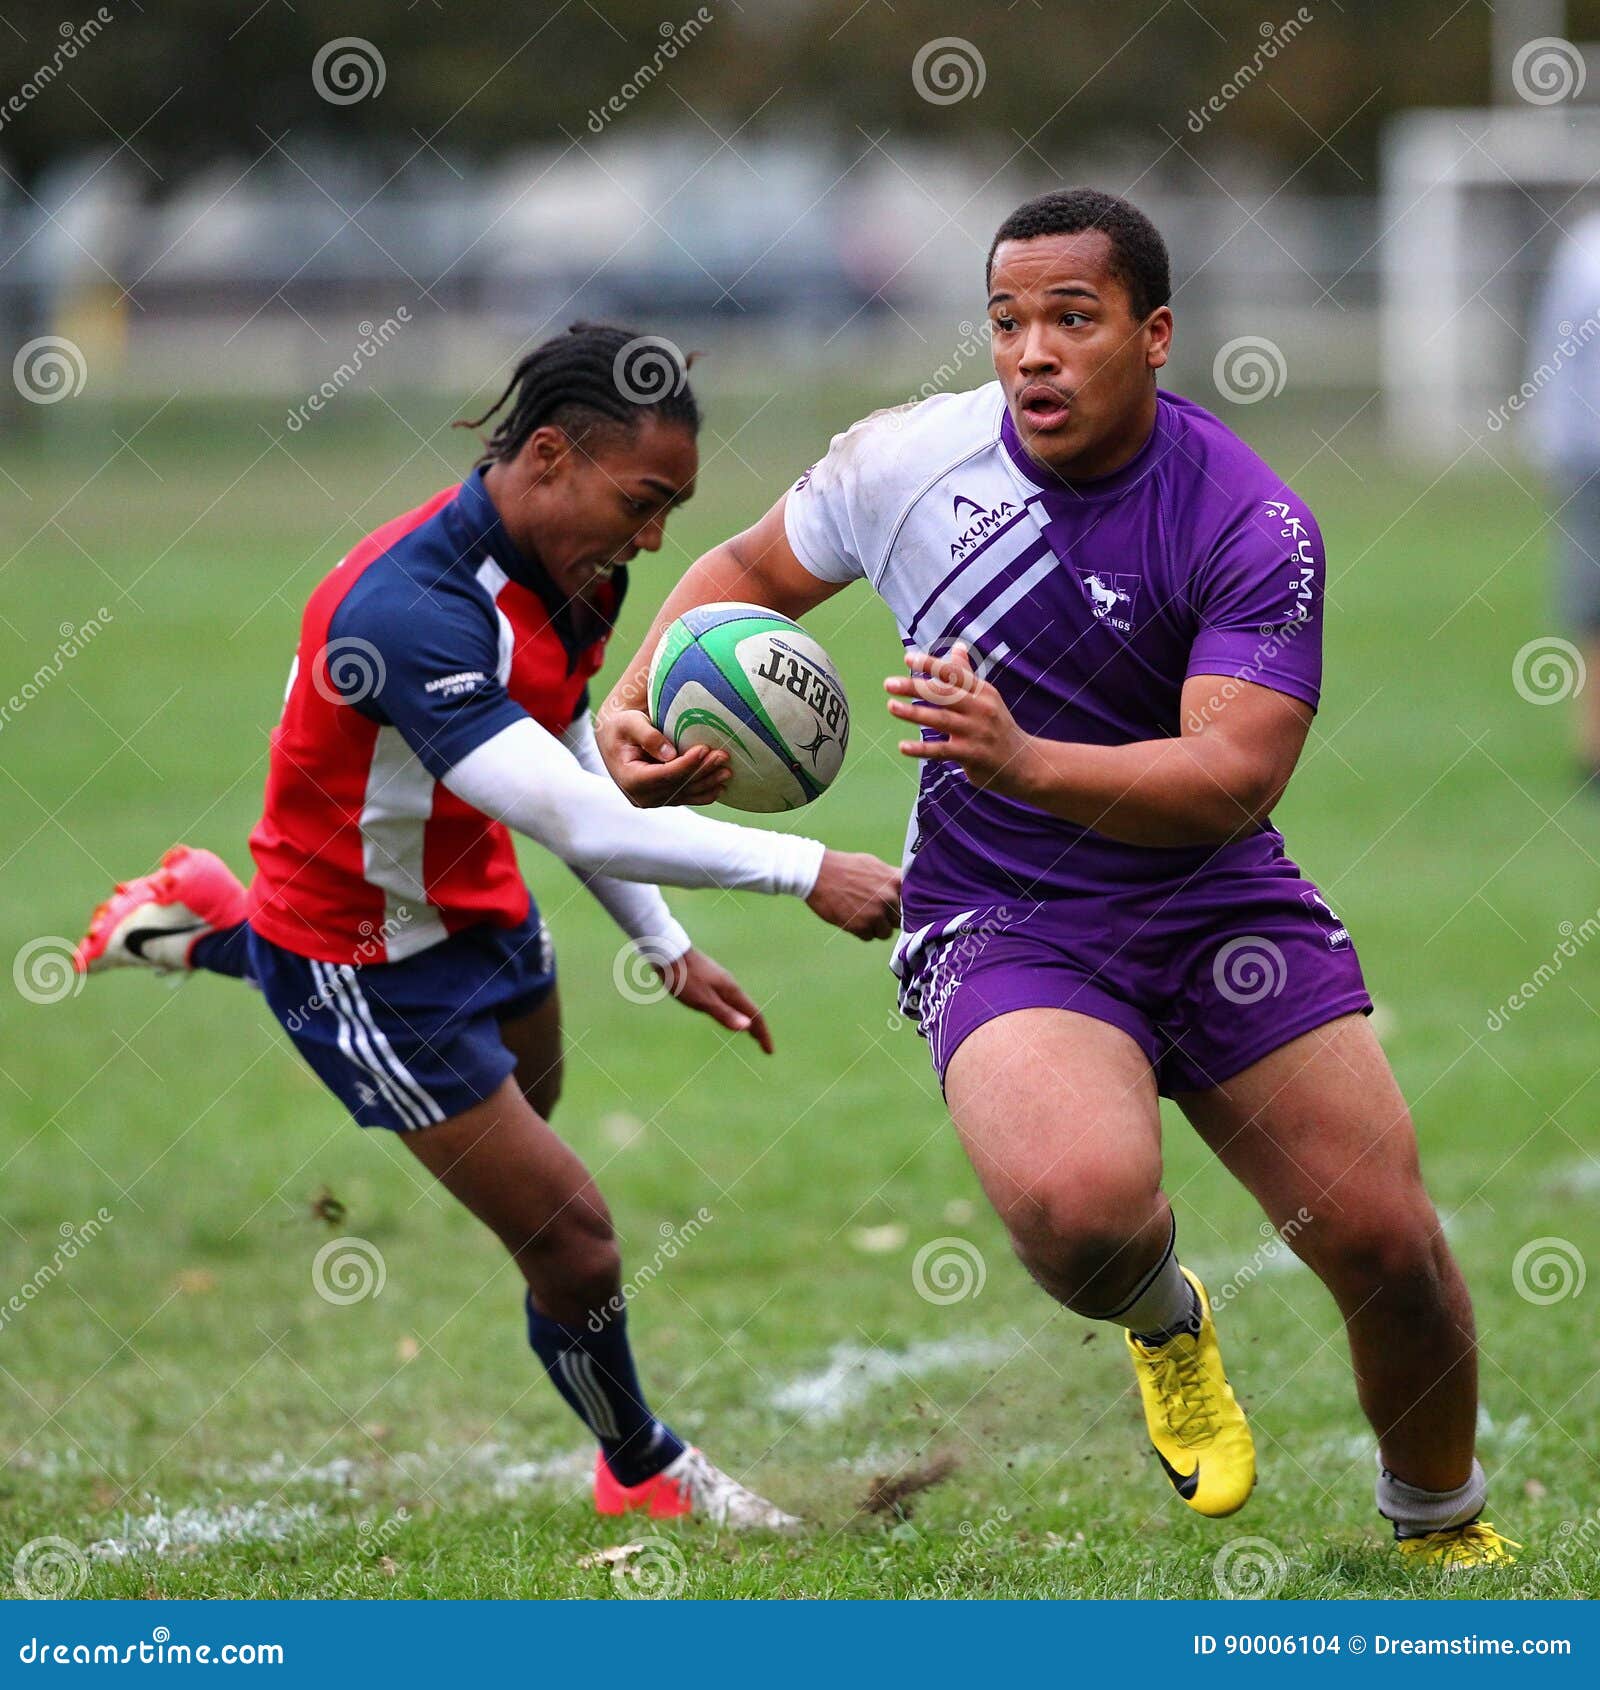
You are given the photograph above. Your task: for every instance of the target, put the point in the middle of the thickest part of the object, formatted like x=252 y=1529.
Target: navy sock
x=594 y=1372
x=224 y=951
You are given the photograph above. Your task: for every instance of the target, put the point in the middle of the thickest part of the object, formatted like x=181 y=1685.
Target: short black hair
x=594 y=376
x=1138 y=253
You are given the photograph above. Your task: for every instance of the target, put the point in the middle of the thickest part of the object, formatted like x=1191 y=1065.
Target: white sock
x=1162 y=1304
x=1415 y=1511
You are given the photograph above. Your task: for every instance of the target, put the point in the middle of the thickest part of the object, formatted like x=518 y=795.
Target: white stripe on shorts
x=357 y=1048
x=430 y=1109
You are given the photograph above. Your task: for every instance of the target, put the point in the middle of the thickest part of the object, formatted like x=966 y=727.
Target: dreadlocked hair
x=594 y=376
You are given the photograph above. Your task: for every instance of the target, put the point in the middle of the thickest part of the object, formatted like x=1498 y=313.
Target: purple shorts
x=1206 y=978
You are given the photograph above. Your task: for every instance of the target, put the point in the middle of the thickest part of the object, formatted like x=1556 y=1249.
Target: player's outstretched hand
x=858 y=892
x=699 y=983
x=649 y=768
x=978 y=731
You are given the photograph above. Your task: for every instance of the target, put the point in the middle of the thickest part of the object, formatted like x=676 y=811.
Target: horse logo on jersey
x=1111 y=597
x=980 y=523
x=1334 y=930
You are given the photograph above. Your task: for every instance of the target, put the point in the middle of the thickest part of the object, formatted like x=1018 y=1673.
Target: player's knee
x=1082 y=1244
x=572 y=1262
x=1396 y=1254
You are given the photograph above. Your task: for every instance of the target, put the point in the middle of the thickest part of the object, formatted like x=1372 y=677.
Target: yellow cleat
x=1460 y=1549
x=1199 y=1431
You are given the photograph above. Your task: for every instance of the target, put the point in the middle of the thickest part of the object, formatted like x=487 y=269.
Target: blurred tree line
x=186 y=80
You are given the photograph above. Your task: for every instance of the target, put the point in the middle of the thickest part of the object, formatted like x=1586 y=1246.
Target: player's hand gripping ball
x=744 y=680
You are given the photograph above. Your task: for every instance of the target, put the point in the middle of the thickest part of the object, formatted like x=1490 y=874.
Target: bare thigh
x=1319 y=1132
x=534 y=1040
x=1059 y=1115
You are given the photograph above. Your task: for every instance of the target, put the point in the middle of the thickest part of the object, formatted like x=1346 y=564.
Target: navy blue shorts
x=406 y=1044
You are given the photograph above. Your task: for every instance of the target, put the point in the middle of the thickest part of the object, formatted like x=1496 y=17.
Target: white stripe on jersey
x=394 y=820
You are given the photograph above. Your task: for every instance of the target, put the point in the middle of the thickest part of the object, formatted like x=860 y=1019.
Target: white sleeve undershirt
x=636 y=906
x=526 y=778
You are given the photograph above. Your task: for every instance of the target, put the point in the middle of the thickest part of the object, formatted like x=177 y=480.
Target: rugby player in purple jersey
x=1112 y=610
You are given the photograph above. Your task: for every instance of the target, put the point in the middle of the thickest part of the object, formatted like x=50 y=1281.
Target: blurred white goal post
x=1472 y=206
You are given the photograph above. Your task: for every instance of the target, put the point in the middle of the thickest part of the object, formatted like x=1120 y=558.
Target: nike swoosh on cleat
x=1185 y=1484
x=135 y=940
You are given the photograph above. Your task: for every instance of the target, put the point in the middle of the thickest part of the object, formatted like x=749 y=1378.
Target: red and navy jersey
x=431 y=637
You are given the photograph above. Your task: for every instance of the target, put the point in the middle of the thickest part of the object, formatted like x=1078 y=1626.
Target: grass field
x=175 y=1386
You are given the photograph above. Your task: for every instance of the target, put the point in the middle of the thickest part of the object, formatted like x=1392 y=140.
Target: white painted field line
x=855 y=1371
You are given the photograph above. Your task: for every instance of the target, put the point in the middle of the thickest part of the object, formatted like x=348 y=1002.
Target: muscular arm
x=1220 y=778
x=755 y=567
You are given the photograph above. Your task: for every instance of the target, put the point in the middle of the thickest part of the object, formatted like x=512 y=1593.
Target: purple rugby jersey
x=1088 y=604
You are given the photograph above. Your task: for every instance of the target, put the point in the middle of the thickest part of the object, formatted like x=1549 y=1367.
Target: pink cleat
x=689 y=1485
x=156 y=920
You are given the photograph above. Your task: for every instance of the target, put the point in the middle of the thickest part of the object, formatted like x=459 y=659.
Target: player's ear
x=545 y=452
x=1158 y=336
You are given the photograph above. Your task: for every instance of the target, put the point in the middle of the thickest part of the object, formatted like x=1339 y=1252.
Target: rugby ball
x=745 y=680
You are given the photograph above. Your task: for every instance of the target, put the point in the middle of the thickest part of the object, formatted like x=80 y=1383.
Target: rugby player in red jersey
x=439 y=699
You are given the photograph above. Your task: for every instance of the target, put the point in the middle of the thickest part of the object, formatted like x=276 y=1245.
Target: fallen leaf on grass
x=609 y=1557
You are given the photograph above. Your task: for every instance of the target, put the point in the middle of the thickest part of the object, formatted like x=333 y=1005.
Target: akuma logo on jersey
x=980 y=523
x=1111 y=597
x=1302 y=565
